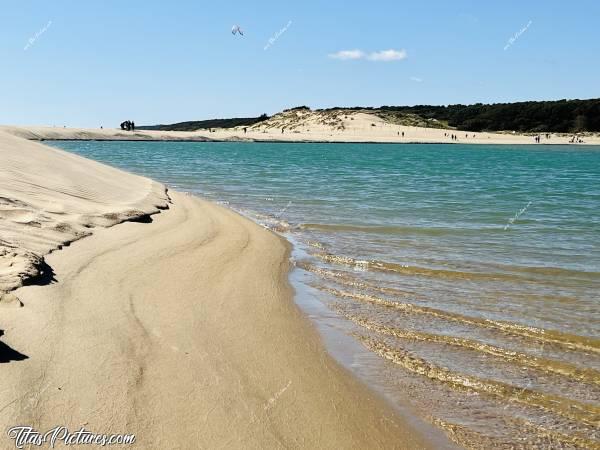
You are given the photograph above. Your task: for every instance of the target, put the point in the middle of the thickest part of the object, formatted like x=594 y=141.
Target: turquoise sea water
x=472 y=272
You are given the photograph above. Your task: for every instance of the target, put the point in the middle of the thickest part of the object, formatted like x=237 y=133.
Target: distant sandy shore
x=356 y=127
x=178 y=327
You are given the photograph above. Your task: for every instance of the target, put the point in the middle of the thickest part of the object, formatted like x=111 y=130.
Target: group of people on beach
x=454 y=137
x=128 y=125
x=576 y=140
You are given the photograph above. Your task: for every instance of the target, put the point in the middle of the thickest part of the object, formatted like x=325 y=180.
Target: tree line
x=562 y=116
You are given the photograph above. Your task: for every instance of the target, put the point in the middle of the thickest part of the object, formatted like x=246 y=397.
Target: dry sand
x=306 y=126
x=48 y=199
x=182 y=331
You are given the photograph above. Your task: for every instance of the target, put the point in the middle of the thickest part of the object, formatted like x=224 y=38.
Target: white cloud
x=382 y=55
x=417 y=79
x=388 y=55
x=348 y=54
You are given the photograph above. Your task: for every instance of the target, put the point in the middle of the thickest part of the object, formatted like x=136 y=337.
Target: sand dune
x=41 y=133
x=181 y=331
x=49 y=198
x=308 y=126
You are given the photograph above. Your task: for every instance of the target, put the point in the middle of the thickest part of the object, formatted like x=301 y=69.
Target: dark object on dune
x=128 y=125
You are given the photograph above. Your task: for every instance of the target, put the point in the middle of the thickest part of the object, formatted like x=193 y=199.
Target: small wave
x=545 y=365
x=514 y=274
x=571 y=409
x=316 y=244
x=346 y=279
x=404 y=269
x=469 y=438
x=571 y=342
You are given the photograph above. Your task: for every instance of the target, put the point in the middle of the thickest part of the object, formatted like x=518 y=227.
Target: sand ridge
x=49 y=198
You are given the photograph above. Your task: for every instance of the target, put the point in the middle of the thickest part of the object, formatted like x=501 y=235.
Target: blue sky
x=98 y=63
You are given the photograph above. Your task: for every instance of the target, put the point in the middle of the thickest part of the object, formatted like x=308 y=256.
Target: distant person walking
x=132 y=125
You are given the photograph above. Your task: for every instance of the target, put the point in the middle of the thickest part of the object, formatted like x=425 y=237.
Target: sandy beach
x=172 y=319
x=314 y=126
x=259 y=226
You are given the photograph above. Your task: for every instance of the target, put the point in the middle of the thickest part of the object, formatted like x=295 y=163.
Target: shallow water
x=471 y=273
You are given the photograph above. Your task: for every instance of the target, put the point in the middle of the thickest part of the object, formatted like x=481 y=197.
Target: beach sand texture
x=51 y=198
x=181 y=330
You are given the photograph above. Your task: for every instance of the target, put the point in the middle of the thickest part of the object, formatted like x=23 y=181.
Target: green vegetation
x=410 y=119
x=561 y=116
x=213 y=123
x=298 y=108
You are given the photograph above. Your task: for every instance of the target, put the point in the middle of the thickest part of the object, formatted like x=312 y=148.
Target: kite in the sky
x=237 y=29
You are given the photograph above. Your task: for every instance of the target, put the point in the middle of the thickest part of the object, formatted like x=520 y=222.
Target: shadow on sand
x=7 y=354
x=43 y=278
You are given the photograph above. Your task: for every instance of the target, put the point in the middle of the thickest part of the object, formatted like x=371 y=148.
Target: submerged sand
x=182 y=331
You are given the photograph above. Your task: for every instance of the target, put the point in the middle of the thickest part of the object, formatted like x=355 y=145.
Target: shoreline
x=545 y=144
x=385 y=133
x=185 y=322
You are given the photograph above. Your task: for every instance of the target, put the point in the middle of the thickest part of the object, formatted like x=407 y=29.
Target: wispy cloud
x=380 y=56
x=416 y=79
x=348 y=54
